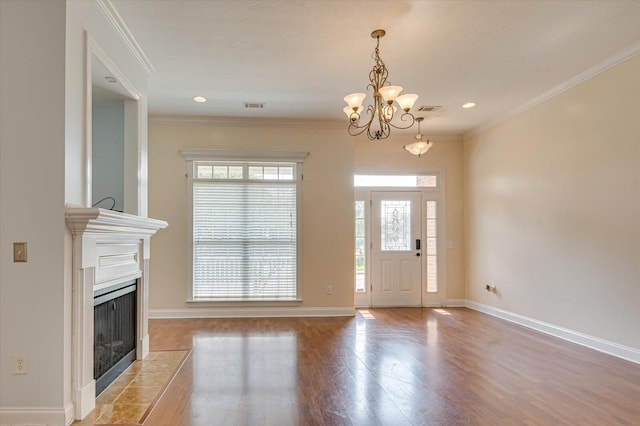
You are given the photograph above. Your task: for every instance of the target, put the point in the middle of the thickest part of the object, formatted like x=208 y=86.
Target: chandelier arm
x=378 y=77
x=356 y=129
x=382 y=123
x=407 y=116
x=380 y=134
x=372 y=86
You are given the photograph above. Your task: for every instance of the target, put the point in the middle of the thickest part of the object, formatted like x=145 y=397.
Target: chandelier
x=419 y=147
x=381 y=112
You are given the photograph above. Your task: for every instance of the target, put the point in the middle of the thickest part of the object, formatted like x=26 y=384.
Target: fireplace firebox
x=114 y=337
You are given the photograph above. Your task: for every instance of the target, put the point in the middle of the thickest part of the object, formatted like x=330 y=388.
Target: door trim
x=363 y=299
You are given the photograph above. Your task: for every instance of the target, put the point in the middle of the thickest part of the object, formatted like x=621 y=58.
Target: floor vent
x=254 y=105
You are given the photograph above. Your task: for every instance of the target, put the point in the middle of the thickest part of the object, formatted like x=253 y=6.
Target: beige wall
x=327 y=205
x=552 y=202
x=445 y=155
x=47 y=139
x=32 y=137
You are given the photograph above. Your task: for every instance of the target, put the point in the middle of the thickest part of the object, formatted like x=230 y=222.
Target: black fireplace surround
x=114 y=336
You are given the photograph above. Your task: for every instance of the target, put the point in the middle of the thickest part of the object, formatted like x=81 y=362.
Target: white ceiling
x=302 y=57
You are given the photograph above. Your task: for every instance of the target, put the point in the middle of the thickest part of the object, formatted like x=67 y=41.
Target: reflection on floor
x=130 y=398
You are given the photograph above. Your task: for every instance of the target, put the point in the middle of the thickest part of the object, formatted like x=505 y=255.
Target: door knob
x=418 y=254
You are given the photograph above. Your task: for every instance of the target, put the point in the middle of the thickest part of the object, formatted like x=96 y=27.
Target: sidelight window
x=431 y=218
x=360 y=244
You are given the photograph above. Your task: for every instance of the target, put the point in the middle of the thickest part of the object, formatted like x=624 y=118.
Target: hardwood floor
x=388 y=367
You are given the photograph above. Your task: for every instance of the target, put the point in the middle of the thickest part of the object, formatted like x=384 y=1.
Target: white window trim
x=437 y=172
x=207 y=154
x=199 y=154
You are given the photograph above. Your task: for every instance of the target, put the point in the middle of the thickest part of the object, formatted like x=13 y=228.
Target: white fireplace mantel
x=109 y=247
x=100 y=221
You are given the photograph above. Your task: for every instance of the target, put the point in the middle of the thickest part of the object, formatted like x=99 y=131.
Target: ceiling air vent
x=254 y=105
x=428 y=108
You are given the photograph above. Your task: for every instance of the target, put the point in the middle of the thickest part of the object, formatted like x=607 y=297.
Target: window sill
x=242 y=302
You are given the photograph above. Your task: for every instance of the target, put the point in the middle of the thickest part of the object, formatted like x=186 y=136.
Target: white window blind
x=244 y=231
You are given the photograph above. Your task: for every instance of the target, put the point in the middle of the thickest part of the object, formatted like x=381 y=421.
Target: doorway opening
x=399 y=235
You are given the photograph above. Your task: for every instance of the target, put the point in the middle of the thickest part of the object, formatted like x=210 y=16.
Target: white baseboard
x=85 y=400
x=143 y=347
x=611 y=348
x=68 y=413
x=37 y=415
x=244 y=312
x=449 y=303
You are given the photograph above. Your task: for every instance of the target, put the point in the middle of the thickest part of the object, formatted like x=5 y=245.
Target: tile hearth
x=130 y=398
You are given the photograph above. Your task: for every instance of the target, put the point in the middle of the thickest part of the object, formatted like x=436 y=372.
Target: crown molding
x=611 y=62
x=246 y=122
x=113 y=17
x=277 y=122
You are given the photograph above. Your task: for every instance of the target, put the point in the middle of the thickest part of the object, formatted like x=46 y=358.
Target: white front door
x=396 y=257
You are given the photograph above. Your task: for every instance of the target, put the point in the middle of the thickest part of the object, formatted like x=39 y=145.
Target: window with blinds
x=244 y=231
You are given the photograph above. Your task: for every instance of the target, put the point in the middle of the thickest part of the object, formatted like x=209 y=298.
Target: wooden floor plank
x=410 y=366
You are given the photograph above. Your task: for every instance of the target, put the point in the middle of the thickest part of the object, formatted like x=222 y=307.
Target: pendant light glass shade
x=355 y=99
x=390 y=93
x=406 y=101
x=353 y=115
x=419 y=147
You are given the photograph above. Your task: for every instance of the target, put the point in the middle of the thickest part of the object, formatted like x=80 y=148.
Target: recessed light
x=469 y=105
x=110 y=79
x=200 y=99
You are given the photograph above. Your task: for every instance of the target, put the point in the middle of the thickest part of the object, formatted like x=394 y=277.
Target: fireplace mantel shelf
x=82 y=220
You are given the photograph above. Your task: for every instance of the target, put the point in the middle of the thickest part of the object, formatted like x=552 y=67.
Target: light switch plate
x=20 y=252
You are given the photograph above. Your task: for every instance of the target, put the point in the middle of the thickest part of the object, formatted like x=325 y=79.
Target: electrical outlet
x=329 y=289
x=19 y=364
x=19 y=252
